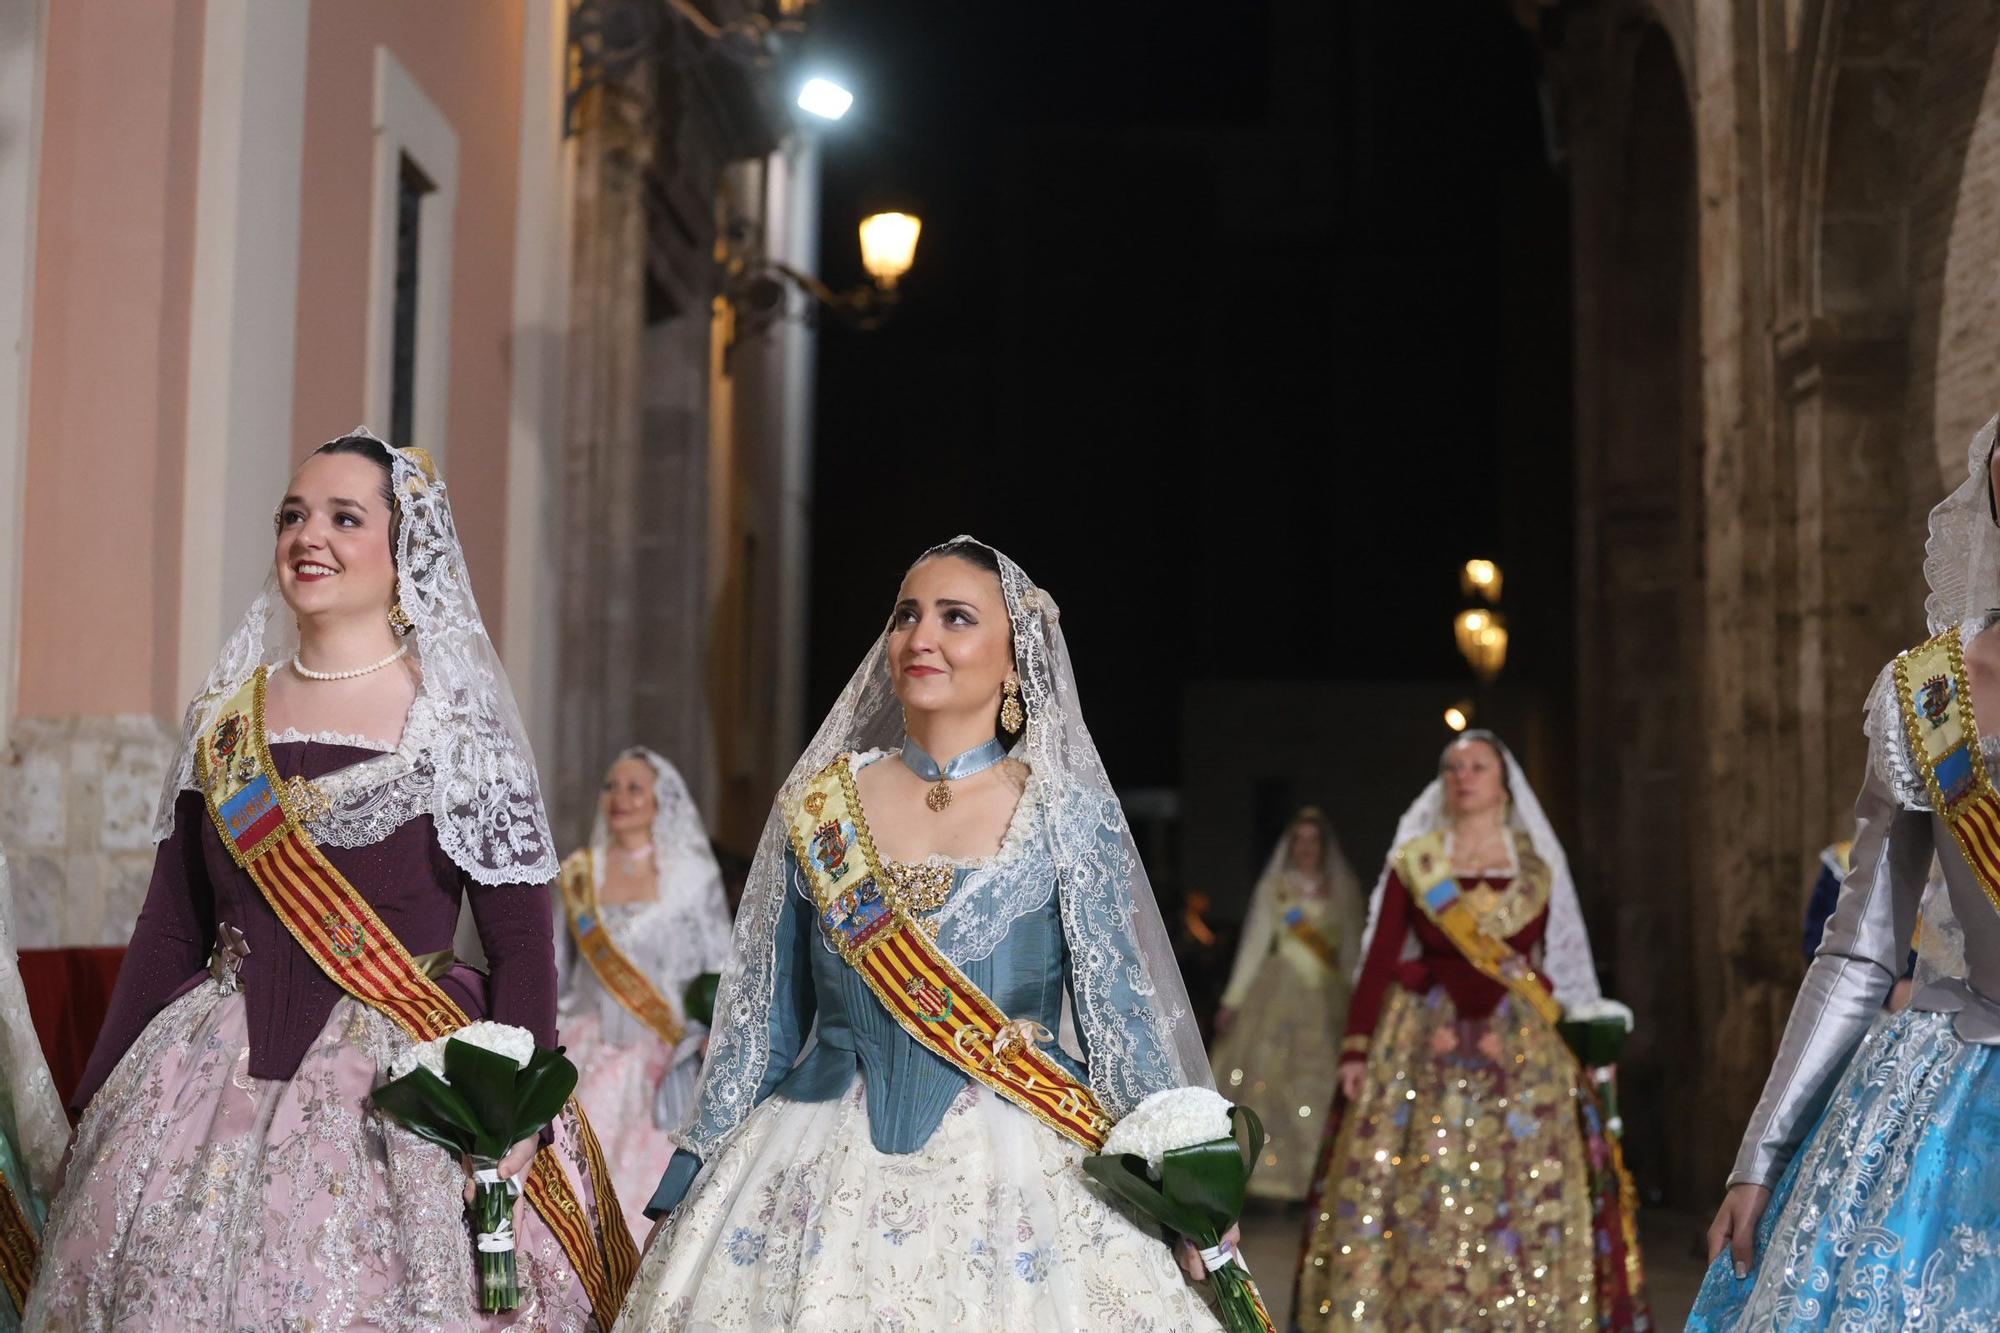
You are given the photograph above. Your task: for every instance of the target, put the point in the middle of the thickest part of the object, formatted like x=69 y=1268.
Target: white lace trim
x=293 y=736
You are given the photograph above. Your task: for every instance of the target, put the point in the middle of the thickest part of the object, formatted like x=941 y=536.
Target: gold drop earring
x=1012 y=718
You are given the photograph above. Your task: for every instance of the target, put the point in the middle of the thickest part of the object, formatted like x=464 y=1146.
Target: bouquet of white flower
x=1183 y=1157
x=1596 y=1032
x=477 y=1092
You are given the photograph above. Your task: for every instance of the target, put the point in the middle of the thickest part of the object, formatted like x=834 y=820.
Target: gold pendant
x=938 y=797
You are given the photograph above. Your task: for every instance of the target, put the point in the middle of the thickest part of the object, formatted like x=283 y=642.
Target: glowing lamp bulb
x=889 y=246
x=825 y=99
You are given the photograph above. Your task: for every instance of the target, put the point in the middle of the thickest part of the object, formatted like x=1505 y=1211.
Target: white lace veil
x=1962 y=553
x=464 y=757
x=1566 y=956
x=31 y=1115
x=1110 y=920
x=1260 y=922
x=679 y=836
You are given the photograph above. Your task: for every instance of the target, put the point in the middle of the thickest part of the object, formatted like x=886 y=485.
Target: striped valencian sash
x=619 y=974
x=1936 y=698
x=923 y=991
x=18 y=1248
x=1310 y=936
x=256 y=816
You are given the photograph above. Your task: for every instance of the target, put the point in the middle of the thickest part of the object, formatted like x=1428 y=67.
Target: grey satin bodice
x=1860 y=957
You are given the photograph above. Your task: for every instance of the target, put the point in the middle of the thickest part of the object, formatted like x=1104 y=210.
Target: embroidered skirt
x=1889 y=1215
x=634 y=1094
x=1463 y=1189
x=1282 y=1058
x=800 y=1223
x=200 y=1197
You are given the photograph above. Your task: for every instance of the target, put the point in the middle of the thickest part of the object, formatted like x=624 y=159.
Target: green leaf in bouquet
x=540 y=1090
x=698 y=1001
x=486 y=1078
x=422 y=1103
x=1206 y=1181
x=1596 y=1042
x=1125 y=1176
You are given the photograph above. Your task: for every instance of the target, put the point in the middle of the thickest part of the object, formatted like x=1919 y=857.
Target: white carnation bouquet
x=1183 y=1157
x=1596 y=1032
x=477 y=1092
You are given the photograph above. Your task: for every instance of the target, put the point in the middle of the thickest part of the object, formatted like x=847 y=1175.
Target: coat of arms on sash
x=829 y=847
x=1934 y=700
x=932 y=1001
x=345 y=937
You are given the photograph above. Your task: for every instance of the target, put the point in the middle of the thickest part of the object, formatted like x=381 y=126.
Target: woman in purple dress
x=230 y=1170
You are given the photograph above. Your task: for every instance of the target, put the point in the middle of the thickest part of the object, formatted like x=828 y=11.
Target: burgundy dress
x=229 y=1171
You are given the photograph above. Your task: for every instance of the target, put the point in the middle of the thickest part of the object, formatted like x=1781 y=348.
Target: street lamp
x=1482 y=641
x=1481 y=579
x=889 y=246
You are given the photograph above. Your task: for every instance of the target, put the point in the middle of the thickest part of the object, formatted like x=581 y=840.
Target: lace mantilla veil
x=1566 y=956
x=1260 y=922
x=679 y=836
x=464 y=757
x=1069 y=809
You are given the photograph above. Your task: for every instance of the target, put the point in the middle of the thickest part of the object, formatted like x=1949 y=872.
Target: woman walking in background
x=644 y=918
x=1277 y=1047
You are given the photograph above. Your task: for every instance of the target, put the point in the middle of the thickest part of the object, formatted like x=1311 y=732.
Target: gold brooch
x=305 y=799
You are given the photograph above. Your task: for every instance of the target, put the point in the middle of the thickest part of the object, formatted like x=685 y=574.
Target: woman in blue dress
x=840 y=1172
x=1867 y=1190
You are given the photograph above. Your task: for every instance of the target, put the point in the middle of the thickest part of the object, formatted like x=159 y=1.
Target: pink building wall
x=466 y=56
x=107 y=399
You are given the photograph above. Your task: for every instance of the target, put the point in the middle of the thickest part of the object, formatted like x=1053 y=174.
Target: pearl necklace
x=310 y=674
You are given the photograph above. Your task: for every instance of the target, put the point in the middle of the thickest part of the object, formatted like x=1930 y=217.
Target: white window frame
x=408 y=124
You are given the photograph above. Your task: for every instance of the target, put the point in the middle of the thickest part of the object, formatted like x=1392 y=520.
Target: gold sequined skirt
x=1457 y=1194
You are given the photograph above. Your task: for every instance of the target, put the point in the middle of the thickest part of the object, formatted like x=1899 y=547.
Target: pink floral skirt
x=629 y=1092
x=200 y=1197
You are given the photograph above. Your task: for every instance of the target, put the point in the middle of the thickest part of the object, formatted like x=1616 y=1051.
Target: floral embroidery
x=800 y=1221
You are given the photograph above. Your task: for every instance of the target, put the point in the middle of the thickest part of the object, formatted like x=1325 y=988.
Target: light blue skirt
x=1889 y=1215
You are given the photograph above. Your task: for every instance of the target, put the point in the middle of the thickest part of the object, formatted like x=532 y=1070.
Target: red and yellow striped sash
x=1943 y=731
x=619 y=974
x=341 y=932
x=18 y=1248
x=923 y=991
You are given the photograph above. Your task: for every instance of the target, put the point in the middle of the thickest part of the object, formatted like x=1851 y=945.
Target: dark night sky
x=1239 y=330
